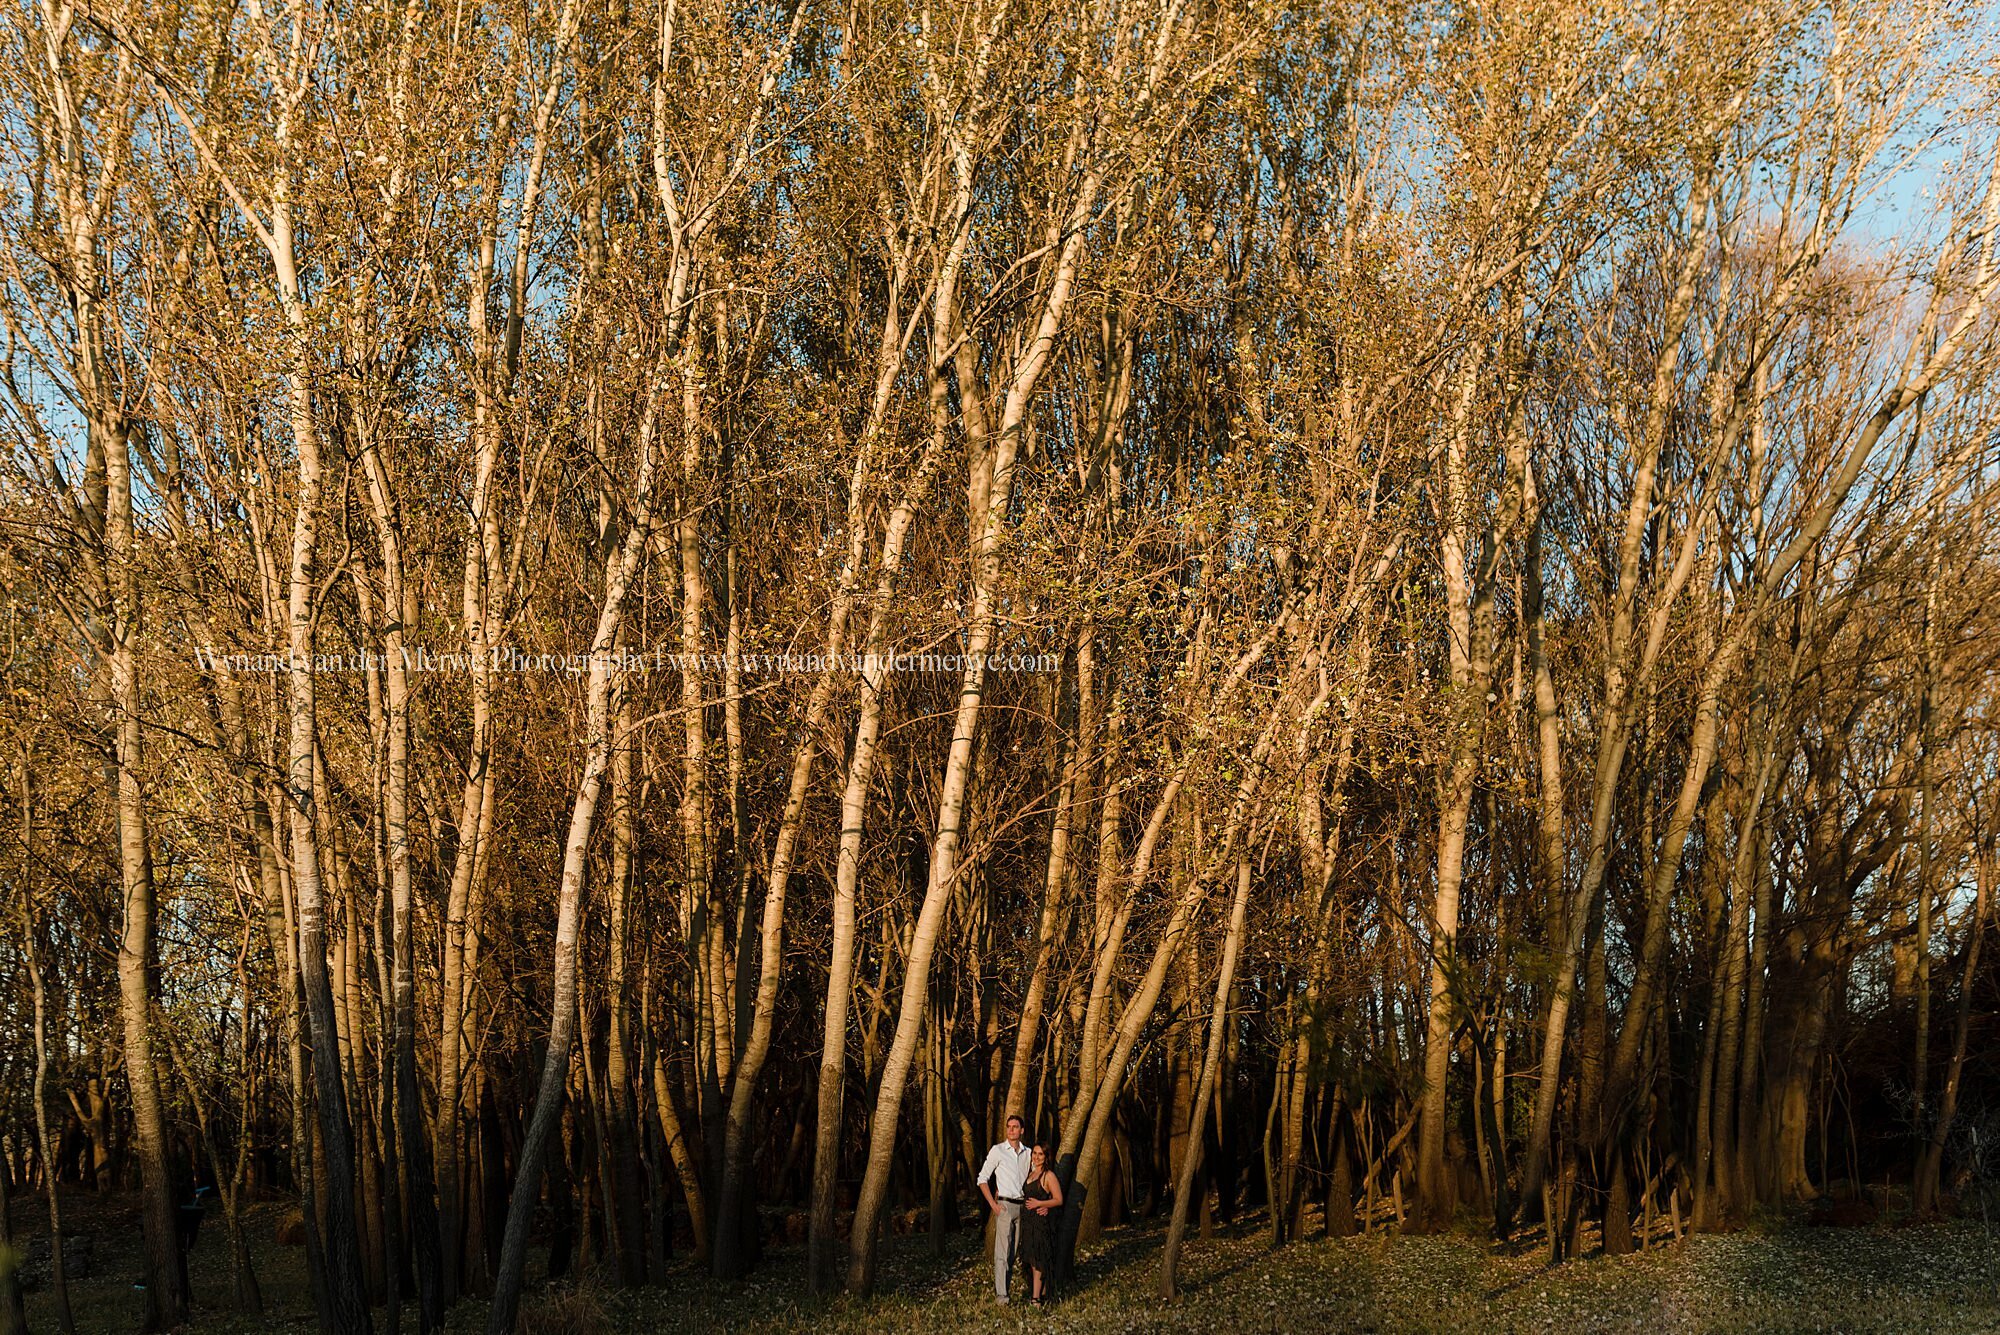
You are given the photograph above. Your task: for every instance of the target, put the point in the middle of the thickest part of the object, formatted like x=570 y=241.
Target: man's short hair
x=1016 y=1117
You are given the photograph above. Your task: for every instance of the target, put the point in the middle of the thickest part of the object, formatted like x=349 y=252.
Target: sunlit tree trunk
x=619 y=571
x=1211 y=1063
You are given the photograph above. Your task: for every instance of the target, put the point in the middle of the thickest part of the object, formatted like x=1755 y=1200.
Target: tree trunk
x=627 y=1216
x=45 y=1141
x=406 y=1130
x=771 y=934
x=1930 y=1165
x=682 y=1156
x=1211 y=1063
x=821 y=1243
x=166 y=1268
x=583 y=813
x=1069 y=793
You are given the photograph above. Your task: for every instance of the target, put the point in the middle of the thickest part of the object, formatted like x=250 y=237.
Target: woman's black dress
x=1038 y=1230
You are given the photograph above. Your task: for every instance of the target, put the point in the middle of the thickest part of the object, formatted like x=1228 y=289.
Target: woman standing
x=1041 y=1197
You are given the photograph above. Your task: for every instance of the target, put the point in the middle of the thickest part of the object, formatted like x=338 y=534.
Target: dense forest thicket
x=628 y=622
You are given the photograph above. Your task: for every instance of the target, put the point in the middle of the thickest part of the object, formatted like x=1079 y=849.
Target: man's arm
x=986 y=1179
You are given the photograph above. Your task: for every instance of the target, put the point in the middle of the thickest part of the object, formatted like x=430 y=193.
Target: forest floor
x=1780 y=1278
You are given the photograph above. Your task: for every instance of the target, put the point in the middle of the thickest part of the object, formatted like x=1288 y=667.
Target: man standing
x=1005 y=1173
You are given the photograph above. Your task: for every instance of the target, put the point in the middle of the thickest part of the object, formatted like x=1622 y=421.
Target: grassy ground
x=1943 y=1278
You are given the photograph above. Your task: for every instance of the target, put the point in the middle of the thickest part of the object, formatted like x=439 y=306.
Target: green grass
x=1943 y=1278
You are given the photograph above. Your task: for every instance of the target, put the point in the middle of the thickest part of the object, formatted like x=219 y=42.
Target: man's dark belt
x=1015 y=1200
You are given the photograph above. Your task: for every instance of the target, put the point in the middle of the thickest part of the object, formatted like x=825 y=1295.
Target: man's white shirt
x=1008 y=1168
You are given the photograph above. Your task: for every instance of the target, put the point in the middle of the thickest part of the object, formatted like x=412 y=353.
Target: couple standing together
x=1022 y=1190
